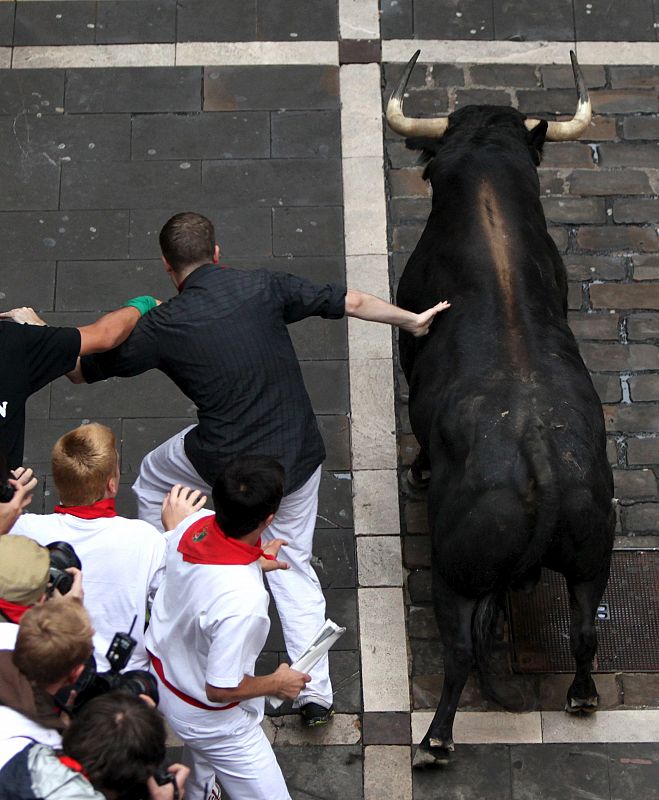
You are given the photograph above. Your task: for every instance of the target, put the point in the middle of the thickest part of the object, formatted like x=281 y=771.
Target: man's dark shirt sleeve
x=136 y=355
x=50 y=352
x=302 y=298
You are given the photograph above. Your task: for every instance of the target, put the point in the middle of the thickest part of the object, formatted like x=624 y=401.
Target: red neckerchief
x=205 y=543
x=71 y=763
x=13 y=611
x=101 y=508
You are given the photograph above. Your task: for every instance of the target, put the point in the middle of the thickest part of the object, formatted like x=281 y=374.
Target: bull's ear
x=536 y=140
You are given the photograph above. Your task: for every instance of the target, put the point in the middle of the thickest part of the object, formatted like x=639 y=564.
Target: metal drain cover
x=627 y=620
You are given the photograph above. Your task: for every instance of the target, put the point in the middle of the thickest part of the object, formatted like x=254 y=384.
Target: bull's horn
x=573 y=128
x=411 y=126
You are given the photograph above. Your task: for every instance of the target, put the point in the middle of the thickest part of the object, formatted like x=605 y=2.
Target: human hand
x=180 y=503
x=170 y=791
x=76 y=591
x=23 y=483
x=24 y=315
x=272 y=549
x=289 y=682
x=421 y=325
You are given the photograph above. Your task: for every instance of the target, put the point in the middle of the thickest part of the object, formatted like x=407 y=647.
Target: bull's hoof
x=418 y=479
x=577 y=705
x=436 y=754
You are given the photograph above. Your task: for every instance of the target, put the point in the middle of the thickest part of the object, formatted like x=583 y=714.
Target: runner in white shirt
x=209 y=623
x=121 y=558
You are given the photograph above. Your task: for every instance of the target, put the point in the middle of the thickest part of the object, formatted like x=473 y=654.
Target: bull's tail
x=538 y=448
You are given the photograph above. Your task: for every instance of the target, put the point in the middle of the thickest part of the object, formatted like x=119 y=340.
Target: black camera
x=6 y=489
x=62 y=557
x=93 y=684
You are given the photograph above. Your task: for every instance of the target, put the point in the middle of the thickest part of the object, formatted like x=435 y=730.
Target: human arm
x=107 y=332
x=284 y=682
x=272 y=549
x=24 y=483
x=372 y=309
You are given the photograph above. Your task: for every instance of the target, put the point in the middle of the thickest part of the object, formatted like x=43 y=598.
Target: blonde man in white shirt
x=121 y=558
x=209 y=623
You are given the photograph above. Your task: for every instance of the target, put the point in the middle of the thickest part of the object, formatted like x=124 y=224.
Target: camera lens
x=137 y=682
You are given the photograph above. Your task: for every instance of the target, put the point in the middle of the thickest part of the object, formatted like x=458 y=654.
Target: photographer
x=113 y=749
x=53 y=644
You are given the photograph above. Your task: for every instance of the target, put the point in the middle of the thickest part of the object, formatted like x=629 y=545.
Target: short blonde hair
x=53 y=639
x=83 y=460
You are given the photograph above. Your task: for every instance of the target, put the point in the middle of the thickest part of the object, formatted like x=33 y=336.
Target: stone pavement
x=266 y=116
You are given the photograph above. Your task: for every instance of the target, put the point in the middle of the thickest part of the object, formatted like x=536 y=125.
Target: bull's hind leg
x=454 y=615
x=418 y=475
x=584 y=598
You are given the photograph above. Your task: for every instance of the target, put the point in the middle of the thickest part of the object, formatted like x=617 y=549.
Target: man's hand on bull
x=179 y=504
x=421 y=325
x=372 y=309
x=24 y=315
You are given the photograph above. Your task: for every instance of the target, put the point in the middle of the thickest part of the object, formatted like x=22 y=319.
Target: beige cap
x=24 y=568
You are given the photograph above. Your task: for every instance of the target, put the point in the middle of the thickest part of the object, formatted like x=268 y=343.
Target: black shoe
x=314 y=714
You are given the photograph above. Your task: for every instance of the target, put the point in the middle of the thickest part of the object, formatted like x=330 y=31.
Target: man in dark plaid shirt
x=224 y=342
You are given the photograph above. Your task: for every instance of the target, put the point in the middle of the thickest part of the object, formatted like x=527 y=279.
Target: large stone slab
x=555 y=772
x=118 y=22
x=153 y=89
x=333 y=773
x=56 y=22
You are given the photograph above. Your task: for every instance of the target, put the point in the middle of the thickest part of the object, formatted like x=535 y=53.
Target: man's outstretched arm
x=107 y=332
x=371 y=308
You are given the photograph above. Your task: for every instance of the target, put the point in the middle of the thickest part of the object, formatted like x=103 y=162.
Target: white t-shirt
x=208 y=623
x=121 y=569
x=8 y=634
x=17 y=731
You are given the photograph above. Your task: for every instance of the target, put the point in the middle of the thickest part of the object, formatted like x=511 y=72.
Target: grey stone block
x=633 y=770
x=140 y=436
x=386 y=728
x=427 y=657
x=197 y=136
x=334 y=501
x=342 y=609
x=438 y=19
x=396 y=20
x=346 y=681
x=30 y=284
x=312 y=772
x=6 y=24
x=320 y=339
x=118 y=22
x=38 y=404
x=305 y=134
x=335 y=431
x=126 y=500
x=558 y=770
x=57 y=138
x=120 y=397
x=135 y=184
x=527 y=21
x=633 y=22
x=317 y=269
x=28 y=185
x=334 y=559
x=55 y=23
x=287 y=21
x=277 y=182
x=505 y=74
x=216 y=21
x=239 y=232
x=271 y=88
x=147 y=89
x=31 y=91
x=48 y=235
x=105 y=285
x=476 y=770
x=327 y=384
x=307 y=231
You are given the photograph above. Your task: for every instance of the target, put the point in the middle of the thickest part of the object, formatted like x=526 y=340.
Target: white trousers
x=297 y=593
x=229 y=745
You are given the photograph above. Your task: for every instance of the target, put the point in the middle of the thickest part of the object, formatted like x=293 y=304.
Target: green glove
x=143 y=303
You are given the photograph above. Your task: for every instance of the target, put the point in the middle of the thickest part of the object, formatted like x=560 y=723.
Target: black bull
x=500 y=401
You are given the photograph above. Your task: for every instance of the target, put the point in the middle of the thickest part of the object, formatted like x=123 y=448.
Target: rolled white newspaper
x=319 y=646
